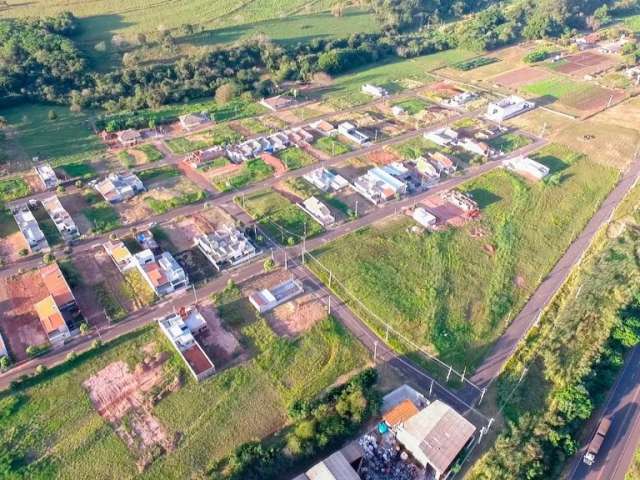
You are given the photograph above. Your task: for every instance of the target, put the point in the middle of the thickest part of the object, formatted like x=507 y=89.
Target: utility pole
x=484 y=390
x=195 y=294
x=431 y=386
x=356 y=208
x=329 y=308
x=375 y=351
x=286 y=266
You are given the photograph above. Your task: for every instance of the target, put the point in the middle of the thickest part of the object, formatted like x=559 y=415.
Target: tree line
x=40 y=61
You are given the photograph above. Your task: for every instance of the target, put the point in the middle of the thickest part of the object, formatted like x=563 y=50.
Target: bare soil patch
x=125 y=399
x=586 y=63
x=382 y=157
x=297 y=316
x=19 y=322
x=10 y=245
x=220 y=344
x=521 y=76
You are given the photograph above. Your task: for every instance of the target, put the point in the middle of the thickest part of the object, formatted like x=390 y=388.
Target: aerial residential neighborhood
x=320 y=240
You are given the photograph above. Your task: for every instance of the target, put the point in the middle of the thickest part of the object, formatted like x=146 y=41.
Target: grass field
x=150 y=152
x=81 y=170
x=412 y=105
x=13 y=188
x=215 y=22
x=509 y=142
x=558 y=88
x=53 y=421
x=331 y=146
x=67 y=138
x=454 y=291
x=394 y=75
x=281 y=220
x=186 y=198
x=253 y=171
x=102 y=216
x=158 y=174
x=295 y=158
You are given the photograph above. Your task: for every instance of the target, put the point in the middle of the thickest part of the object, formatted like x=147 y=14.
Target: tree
x=601 y=14
x=225 y=93
x=574 y=402
x=40 y=369
x=4 y=362
x=84 y=328
x=48 y=258
x=268 y=265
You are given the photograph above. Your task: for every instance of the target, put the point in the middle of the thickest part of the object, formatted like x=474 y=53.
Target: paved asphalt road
x=623 y=408
x=528 y=316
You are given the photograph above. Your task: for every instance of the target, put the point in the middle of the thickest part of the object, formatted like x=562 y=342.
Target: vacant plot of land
x=395 y=76
x=509 y=142
x=13 y=188
x=78 y=170
x=262 y=203
x=67 y=138
x=100 y=214
x=331 y=146
x=252 y=171
x=295 y=158
x=150 y=152
x=521 y=76
x=412 y=105
x=478 y=276
x=584 y=63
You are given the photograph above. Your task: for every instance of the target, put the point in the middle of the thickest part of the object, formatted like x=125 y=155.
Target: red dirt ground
x=275 y=162
x=19 y=323
x=586 y=63
x=381 y=157
x=521 y=76
x=445 y=212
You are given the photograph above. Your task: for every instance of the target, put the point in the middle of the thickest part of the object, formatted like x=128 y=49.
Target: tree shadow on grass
x=484 y=197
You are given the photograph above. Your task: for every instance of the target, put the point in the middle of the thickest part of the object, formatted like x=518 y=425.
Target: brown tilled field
x=585 y=63
x=19 y=323
x=521 y=76
x=593 y=99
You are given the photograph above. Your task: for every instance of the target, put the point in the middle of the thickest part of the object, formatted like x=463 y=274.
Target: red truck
x=596 y=442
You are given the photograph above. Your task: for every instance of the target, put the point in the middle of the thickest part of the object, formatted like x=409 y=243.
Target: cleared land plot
x=19 y=323
x=509 y=142
x=58 y=425
x=11 y=240
x=251 y=171
x=584 y=63
x=332 y=146
x=479 y=275
x=67 y=138
x=100 y=214
x=521 y=76
x=221 y=134
x=281 y=220
x=295 y=157
x=181 y=233
x=412 y=105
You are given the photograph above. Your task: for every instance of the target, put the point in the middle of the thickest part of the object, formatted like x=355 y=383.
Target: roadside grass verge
x=480 y=275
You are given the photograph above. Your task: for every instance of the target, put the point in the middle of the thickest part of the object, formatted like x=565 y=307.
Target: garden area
x=480 y=275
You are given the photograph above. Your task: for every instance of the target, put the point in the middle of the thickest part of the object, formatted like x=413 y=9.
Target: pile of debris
x=385 y=462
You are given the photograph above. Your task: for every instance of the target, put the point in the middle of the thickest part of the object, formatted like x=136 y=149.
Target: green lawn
x=253 y=171
x=294 y=157
x=53 y=422
x=509 y=142
x=158 y=174
x=283 y=221
x=412 y=105
x=13 y=188
x=331 y=146
x=183 y=145
x=151 y=152
x=454 y=291
x=67 y=138
x=81 y=170
x=394 y=75
x=102 y=216
x=162 y=206
x=557 y=87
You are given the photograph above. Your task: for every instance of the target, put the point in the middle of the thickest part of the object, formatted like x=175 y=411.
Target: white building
x=507 y=108
x=350 y=131
x=3 y=348
x=527 y=167
x=47 y=176
x=423 y=217
x=226 y=246
x=324 y=128
x=374 y=91
x=191 y=121
x=435 y=437
x=117 y=187
x=473 y=146
x=461 y=99
x=180 y=329
x=120 y=255
x=129 y=138
x=325 y=180
x=30 y=229
x=398 y=111
x=379 y=186
x=443 y=136
x=463 y=201
x=163 y=274
x=269 y=298
x=61 y=218
x=427 y=170
x=318 y=211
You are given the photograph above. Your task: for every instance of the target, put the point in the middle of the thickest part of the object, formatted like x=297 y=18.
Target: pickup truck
x=596 y=441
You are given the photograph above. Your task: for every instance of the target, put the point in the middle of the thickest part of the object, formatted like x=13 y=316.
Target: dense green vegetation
x=572 y=359
x=13 y=188
x=480 y=275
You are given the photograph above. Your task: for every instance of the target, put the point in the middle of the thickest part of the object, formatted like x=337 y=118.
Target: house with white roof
x=424 y=218
x=526 y=167
x=444 y=164
x=442 y=136
x=379 y=186
x=325 y=180
x=508 y=107
x=118 y=187
x=374 y=90
x=47 y=176
x=430 y=173
x=61 y=218
x=269 y=298
x=163 y=274
x=349 y=130
x=129 y=138
x=30 y=229
x=318 y=211
x=180 y=328
x=461 y=99
x=120 y=255
x=226 y=246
